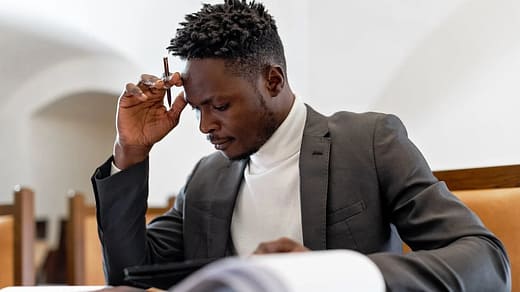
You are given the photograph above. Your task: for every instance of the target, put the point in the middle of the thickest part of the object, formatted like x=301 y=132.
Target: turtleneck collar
x=284 y=143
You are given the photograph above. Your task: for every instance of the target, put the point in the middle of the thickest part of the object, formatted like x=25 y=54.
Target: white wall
x=68 y=145
x=458 y=89
x=448 y=68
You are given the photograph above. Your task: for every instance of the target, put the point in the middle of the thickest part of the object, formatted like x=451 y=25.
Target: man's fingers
x=173 y=80
x=132 y=90
x=151 y=86
x=149 y=80
x=152 y=83
x=283 y=244
x=272 y=247
x=148 y=85
x=178 y=105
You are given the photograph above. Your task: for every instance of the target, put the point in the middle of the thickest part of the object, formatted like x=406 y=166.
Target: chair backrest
x=17 y=240
x=84 y=257
x=493 y=193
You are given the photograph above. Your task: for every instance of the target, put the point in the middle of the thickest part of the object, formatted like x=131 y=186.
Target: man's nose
x=207 y=123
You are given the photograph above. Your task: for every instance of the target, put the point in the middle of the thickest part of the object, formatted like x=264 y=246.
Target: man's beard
x=269 y=126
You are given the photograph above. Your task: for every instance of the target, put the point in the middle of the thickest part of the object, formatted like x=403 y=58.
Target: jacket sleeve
x=452 y=250
x=121 y=204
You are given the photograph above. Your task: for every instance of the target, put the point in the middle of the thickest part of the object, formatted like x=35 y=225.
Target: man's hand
x=143 y=120
x=280 y=245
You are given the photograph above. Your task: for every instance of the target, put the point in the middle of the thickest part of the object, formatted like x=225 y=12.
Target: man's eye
x=222 y=107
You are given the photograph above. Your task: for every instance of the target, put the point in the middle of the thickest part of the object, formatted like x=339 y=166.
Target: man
x=284 y=178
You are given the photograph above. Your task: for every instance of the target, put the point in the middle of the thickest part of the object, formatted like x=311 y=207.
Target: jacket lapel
x=222 y=206
x=314 y=177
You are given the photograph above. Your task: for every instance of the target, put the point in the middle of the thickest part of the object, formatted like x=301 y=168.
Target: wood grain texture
x=17 y=240
x=6 y=250
x=481 y=178
x=84 y=255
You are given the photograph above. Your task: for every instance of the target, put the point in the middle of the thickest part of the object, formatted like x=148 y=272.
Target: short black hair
x=243 y=34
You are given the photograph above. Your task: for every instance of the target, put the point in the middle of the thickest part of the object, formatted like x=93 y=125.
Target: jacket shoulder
x=355 y=123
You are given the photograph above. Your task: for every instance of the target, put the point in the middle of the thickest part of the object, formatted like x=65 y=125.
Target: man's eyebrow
x=203 y=102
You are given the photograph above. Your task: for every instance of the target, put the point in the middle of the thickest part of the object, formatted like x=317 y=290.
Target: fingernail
x=149 y=83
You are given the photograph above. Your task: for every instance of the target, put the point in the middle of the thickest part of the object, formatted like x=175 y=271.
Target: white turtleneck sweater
x=268 y=203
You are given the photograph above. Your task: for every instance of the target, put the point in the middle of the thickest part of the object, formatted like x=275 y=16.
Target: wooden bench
x=84 y=257
x=17 y=240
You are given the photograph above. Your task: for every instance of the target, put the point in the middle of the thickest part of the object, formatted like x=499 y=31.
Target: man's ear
x=275 y=79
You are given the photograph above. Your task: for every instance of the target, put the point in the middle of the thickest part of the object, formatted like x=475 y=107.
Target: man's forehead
x=190 y=73
x=207 y=65
x=203 y=75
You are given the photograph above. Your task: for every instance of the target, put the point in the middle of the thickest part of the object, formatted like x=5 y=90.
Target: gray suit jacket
x=363 y=184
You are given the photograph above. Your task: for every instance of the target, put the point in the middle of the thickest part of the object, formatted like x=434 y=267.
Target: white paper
x=331 y=271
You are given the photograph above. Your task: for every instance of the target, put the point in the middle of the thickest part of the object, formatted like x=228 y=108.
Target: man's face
x=232 y=111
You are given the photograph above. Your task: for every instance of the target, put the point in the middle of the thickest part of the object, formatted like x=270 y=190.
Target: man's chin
x=236 y=156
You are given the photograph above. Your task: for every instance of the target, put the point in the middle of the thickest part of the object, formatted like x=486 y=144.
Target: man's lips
x=221 y=144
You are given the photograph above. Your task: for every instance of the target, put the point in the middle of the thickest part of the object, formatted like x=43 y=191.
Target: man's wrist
x=126 y=156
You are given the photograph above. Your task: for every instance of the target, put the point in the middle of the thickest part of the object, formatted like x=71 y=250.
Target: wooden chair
x=493 y=193
x=17 y=240
x=84 y=257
